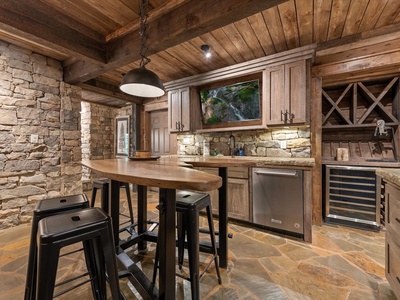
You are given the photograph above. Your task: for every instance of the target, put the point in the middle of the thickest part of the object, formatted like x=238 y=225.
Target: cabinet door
x=295 y=91
x=174 y=110
x=274 y=81
x=238 y=201
x=185 y=109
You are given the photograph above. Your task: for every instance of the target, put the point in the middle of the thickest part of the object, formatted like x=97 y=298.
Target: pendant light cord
x=143 y=33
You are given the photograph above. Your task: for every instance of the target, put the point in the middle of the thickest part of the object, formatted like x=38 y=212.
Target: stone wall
x=98 y=134
x=39 y=133
x=254 y=143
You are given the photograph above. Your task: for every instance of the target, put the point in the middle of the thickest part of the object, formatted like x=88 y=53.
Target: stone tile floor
x=341 y=263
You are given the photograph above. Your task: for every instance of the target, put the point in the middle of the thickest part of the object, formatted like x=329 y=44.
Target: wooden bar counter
x=168 y=178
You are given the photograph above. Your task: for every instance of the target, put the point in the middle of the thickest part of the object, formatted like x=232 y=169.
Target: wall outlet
x=34 y=138
x=283 y=144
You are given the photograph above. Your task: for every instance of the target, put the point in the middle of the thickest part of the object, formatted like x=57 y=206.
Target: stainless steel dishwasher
x=278 y=199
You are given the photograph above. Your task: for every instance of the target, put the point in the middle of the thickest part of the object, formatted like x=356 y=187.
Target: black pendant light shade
x=141 y=82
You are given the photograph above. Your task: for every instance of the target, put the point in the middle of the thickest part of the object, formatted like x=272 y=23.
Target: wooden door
x=162 y=142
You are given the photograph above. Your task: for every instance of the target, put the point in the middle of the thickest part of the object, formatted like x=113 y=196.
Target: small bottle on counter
x=241 y=152
x=215 y=152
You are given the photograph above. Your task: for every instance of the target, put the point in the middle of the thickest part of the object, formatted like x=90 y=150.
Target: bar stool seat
x=103 y=185
x=45 y=208
x=92 y=227
x=188 y=207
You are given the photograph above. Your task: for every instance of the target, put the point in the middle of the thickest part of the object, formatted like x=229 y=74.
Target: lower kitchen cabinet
x=392 y=238
x=239 y=205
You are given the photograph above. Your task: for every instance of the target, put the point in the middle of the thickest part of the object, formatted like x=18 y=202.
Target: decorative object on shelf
x=206 y=49
x=141 y=82
x=122 y=136
x=342 y=154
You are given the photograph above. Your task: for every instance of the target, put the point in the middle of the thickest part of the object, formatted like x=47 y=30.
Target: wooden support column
x=316 y=148
x=145 y=131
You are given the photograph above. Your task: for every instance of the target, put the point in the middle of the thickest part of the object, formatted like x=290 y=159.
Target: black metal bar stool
x=45 y=208
x=188 y=207
x=92 y=227
x=103 y=185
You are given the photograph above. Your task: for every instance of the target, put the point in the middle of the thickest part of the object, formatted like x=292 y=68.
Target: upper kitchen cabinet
x=285 y=88
x=183 y=110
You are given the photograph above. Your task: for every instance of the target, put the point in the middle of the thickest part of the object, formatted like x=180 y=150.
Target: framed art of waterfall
x=236 y=104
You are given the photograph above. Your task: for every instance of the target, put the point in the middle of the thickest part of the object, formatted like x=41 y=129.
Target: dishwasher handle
x=288 y=173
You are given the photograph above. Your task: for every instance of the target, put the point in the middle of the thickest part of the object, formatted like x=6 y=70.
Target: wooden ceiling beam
x=190 y=19
x=108 y=90
x=42 y=24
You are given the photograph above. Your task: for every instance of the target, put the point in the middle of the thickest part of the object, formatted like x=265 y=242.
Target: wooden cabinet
x=238 y=193
x=392 y=238
x=183 y=110
x=285 y=89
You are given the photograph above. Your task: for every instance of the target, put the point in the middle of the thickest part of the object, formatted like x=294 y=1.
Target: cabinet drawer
x=392 y=216
x=393 y=264
x=238 y=172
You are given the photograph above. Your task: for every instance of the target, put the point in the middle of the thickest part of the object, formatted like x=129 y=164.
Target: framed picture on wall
x=122 y=136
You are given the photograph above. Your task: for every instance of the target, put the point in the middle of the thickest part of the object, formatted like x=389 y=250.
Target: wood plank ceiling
x=98 y=40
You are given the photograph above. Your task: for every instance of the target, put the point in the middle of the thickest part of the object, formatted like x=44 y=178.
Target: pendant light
x=141 y=82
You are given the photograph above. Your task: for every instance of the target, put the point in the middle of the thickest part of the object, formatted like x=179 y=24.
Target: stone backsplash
x=286 y=142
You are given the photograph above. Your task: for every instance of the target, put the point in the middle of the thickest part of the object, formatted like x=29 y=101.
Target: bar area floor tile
x=341 y=263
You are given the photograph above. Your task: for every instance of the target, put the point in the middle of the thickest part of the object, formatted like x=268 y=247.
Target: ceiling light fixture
x=206 y=50
x=141 y=82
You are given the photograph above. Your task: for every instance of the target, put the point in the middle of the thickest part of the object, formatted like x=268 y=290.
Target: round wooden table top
x=156 y=175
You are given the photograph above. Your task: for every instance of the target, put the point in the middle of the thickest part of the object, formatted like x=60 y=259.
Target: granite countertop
x=391 y=175
x=249 y=161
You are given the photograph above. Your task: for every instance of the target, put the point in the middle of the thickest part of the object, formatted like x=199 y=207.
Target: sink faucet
x=232 y=147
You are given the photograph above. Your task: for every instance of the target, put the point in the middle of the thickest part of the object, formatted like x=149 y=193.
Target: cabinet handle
x=398 y=220
x=291 y=117
x=176 y=126
x=285 y=116
x=398 y=279
x=182 y=126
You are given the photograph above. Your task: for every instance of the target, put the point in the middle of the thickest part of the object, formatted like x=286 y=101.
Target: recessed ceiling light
x=206 y=50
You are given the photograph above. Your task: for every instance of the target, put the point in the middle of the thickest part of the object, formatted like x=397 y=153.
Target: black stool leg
x=128 y=196
x=93 y=265
x=181 y=228
x=107 y=244
x=213 y=244
x=30 y=288
x=93 y=198
x=46 y=273
x=192 y=223
x=104 y=197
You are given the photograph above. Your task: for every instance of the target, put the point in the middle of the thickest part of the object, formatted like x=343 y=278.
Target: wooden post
x=316 y=148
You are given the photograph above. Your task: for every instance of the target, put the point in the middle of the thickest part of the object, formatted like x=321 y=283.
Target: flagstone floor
x=340 y=264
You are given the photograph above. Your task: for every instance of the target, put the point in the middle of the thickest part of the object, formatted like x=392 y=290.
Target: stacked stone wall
x=39 y=133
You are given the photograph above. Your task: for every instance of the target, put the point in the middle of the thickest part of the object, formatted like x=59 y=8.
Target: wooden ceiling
x=98 y=40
